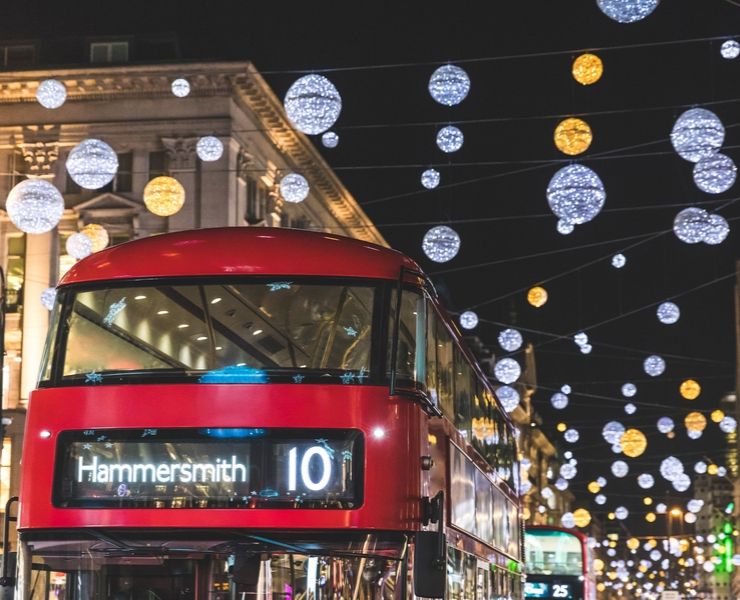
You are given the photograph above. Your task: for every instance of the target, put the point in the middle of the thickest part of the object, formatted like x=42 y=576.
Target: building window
x=157 y=164
x=256 y=202
x=108 y=52
x=19 y=55
x=122 y=181
x=5 y=463
x=15 y=270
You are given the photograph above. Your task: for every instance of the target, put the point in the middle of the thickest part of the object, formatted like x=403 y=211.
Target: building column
x=41 y=256
x=183 y=167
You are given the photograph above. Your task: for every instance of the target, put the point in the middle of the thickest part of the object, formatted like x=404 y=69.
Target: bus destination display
x=534 y=589
x=209 y=468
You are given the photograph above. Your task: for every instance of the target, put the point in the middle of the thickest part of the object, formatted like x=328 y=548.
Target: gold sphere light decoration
x=633 y=442
x=695 y=421
x=712 y=469
x=562 y=427
x=633 y=543
x=164 y=196
x=650 y=517
x=594 y=487
x=690 y=389
x=537 y=296
x=581 y=517
x=587 y=69
x=573 y=136
x=717 y=416
x=98 y=236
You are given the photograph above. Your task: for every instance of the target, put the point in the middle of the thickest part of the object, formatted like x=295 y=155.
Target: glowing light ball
x=655 y=555
x=618 y=261
x=312 y=104
x=441 y=243
x=650 y=517
x=712 y=469
x=691 y=224
x=561 y=427
x=665 y=425
x=671 y=468
x=92 y=164
x=449 y=85
x=586 y=348
x=568 y=471
x=565 y=388
x=594 y=487
x=524 y=487
x=537 y=296
x=690 y=518
x=630 y=408
x=330 y=139
x=627 y=11
x=621 y=513
x=695 y=505
x=654 y=365
x=581 y=517
x=568 y=520
x=695 y=421
x=697 y=133
x=51 y=93
x=645 y=481
x=510 y=340
x=633 y=543
x=600 y=499
x=559 y=400
x=164 y=196
x=209 y=148
x=294 y=188
x=660 y=508
x=48 y=297
x=561 y=484
x=587 y=69
x=716 y=230
x=572 y=436
x=668 y=313
x=429 y=178
x=730 y=49
x=98 y=236
x=450 y=139
x=508 y=397
x=79 y=246
x=580 y=338
x=693 y=434
x=690 y=389
x=629 y=390
x=715 y=174
x=681 y=483
x=728 y=425
x=700 y=467
x=721 y=471
x=468 y=320
x=620 y=468
x=576 y=194
x=507 y=370
x=633 y=443
x=34 y=206
x=565 y=228
x=180 y=87
x=573 y=136
x=613 y=431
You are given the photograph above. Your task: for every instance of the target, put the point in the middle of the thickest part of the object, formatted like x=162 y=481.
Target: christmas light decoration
x=537 y=296
x=565 y=388
x=568 y=471
x=92 y=164
x=559 y=400
x=510 y=340
x=441 y=243
x=645 y=481
x=180 y=87
x=430 y=179
x=627 y=11
x=34 y=206
x=730 y=49
x=668 y=313
x=79 y=246
x=209 y=148
x=48 y=297
x=630 y=408
x=98 y=236
x=629 y=390
x=164 y=196
x=330 y=139
x=728 y=425
x=690 y=389
x=581 y=517
x=620 y=468
x=576 y=194
x=51 y=93
x=572 y=436
x=715 y=174
x=507 y=370
x=573 y=136
x=564 y=228
x=621 y=513
x=681 y=483
x=697 y=133
x=633 y=443
x=568 y=520
x=587 y=69
x=671 y=468
x=618 y=261
x=665 y=425
x=449 y=85
x=468 y=320
x=600 y=499
x=717 y=416
x=654 y=365
x=450 y=139
x=716 y=230
x=508 y=396
x=691 y=224
x=294 y=188
x=695 y=421
x=312 y=104
x=613 y=431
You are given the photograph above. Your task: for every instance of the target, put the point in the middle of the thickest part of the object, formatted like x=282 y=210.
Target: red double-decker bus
x=262 y=413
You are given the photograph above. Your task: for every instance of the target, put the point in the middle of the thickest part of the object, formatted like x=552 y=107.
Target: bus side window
x=444 y=370
x=479 y=419
x=431 y=379
x=463 y=393
x=410 y=365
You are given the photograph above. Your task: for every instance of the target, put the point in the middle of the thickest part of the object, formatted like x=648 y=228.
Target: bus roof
x=240 y=251
x=554 y=530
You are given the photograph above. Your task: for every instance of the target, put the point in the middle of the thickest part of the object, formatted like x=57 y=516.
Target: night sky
x=493 y=189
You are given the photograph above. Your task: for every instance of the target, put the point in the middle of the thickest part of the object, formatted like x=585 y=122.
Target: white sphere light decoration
x=629 y=390
x=450 y=139
x=92 y=164
x=620 y=468
x=507 y=370
x=79 y=246
x=694 y=434
x=617 y=448
x=618 y=261
x=654 y=365
x=671 y=468
x=568 y=471
x=665 y=424
x=728 y=424
x=695 y=505
x=312 y=104
x=730 y=49
x=294 y=188
x=717 y=230
x=48 y=297
x=715 y=174
x=568 y=520
x=600 y=499
x=510 y=340
x=700 y=467
x=660 y=508
x=580 y=338
x=180 y=87
x=627 y=11
x=565 y=228
x=645 y=481
x=51 y=93
x=681 y=483
x=690 y=518
x=576 y=194
x=441 y=243
x=209 y=148
x=449 y=85
x=697 y=133
x=508 y=396
x=430 y=179
x=566 y=389
x=621 y=513
x=668 y=313
x=630 y=408
x=468 y=320
x=559 y=400
x=691 y=224
x=613 y=431
x=35 y=206
x=572 y=436
x=330 y=139
x=561 y=484
x=586 y=349
x=721 y=471
x=601 y=481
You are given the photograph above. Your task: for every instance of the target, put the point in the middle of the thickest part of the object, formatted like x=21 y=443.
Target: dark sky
x=387 y=130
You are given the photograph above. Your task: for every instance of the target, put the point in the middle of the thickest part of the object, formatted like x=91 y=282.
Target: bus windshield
x=553 y=552
x=241 y=331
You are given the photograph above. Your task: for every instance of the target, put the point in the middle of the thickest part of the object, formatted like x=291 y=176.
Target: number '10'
x=306 y=479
